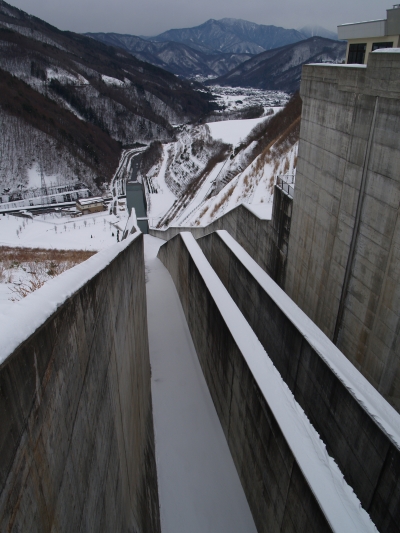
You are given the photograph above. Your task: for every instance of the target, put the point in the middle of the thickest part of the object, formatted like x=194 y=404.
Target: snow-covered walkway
x=199 y=488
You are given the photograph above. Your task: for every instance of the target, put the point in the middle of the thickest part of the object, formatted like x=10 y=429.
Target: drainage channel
x=199 y=488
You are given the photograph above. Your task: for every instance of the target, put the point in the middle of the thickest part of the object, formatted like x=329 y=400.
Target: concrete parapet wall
x=344 y=252
x=76 y=440
x=287 y=487
x=265 y=240
x=360 y=433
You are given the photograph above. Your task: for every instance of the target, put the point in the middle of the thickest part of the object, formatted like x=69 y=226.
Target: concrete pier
x=289 y=480
x=76 y=439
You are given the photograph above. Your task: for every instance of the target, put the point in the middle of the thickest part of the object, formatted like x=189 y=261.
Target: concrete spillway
x=199 y=487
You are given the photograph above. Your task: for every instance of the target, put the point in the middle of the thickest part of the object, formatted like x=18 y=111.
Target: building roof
x=92 y=200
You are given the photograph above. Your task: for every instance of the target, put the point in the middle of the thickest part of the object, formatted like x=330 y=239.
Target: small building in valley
x=86 y=206
x=366 y=37
x=136 y=199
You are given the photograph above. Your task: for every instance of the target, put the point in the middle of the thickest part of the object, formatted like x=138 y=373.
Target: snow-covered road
x=199 y=488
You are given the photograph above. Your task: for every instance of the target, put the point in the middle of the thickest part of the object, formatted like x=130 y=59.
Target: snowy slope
x=254 y=187
x=205 y=186
x=233 y=131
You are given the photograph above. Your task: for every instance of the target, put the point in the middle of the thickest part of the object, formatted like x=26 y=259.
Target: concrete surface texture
x=367 y=455
x=199 y=486
x=276 y=487
x=76 y=440
x=344 y=245
x=265 y=240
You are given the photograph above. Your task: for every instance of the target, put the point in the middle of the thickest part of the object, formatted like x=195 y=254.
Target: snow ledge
x=30 y=313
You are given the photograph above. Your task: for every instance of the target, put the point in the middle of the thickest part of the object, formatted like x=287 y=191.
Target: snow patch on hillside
x=108 y=80
x=233 y=131
x=35 y=178
x=163 y=199
x=65 y=77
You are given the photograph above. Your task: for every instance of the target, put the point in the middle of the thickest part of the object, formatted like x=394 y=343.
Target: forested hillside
x=280 y=68
x=84 y=98
x=36 y=130
x=179 y=58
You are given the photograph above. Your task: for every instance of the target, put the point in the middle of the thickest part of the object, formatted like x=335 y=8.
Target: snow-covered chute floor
x=199 y=488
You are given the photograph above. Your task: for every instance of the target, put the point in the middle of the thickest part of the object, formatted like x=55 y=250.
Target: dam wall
x=344 y=247
x=264 y=239
x=357 y=425
x=76 y=440
x=289 y=480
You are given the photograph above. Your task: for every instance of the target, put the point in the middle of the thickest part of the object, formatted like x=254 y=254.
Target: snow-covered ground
x=91 y=232
x=233 y=131
x=164 y=198
x=35 y=179
x=198 y=200
x=239 y=179
x=253 y=187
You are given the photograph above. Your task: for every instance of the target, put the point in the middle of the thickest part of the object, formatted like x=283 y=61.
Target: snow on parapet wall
x=27 y=315
x=385 y=416
x=386 y=51
x=336 y=498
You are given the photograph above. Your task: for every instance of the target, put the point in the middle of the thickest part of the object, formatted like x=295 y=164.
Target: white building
x=365 y=37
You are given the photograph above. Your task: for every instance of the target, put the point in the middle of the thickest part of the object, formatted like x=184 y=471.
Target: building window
x=356 y=53
x=378 y=46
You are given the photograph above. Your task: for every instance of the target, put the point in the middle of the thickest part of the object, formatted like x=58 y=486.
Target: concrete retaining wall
x=344 y=247
x=76 y=440
x=277 y=488
x=366 y=454
x=265 y=240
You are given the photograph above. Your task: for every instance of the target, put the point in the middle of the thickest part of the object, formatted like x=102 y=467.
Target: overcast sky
x=151 y=17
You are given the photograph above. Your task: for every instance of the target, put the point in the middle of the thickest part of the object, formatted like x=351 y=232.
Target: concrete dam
x=194 y=381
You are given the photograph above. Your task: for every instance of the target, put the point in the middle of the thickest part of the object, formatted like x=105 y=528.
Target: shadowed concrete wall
x=367 y=456
x=278 y=494
x=265 y=240
x=76 y=440
x=344 y=248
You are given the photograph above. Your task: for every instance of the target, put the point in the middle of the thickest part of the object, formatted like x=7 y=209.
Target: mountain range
x=280 y=68
x=230 y=35
x=211 y=49
x=178 y=58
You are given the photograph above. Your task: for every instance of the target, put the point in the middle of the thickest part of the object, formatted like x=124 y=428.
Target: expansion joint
x=356 y=228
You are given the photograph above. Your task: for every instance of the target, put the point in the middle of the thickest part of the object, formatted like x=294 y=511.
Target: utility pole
x=42 y=183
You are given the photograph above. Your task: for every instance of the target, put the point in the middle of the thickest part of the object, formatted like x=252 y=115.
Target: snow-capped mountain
x=280 y=68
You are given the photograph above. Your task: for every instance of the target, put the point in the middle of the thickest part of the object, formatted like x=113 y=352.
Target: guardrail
x=286 y=183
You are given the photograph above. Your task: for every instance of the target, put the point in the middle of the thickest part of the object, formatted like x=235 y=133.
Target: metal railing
x=286 y=184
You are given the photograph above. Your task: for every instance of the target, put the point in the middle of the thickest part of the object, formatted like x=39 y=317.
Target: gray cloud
x=151 y=17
